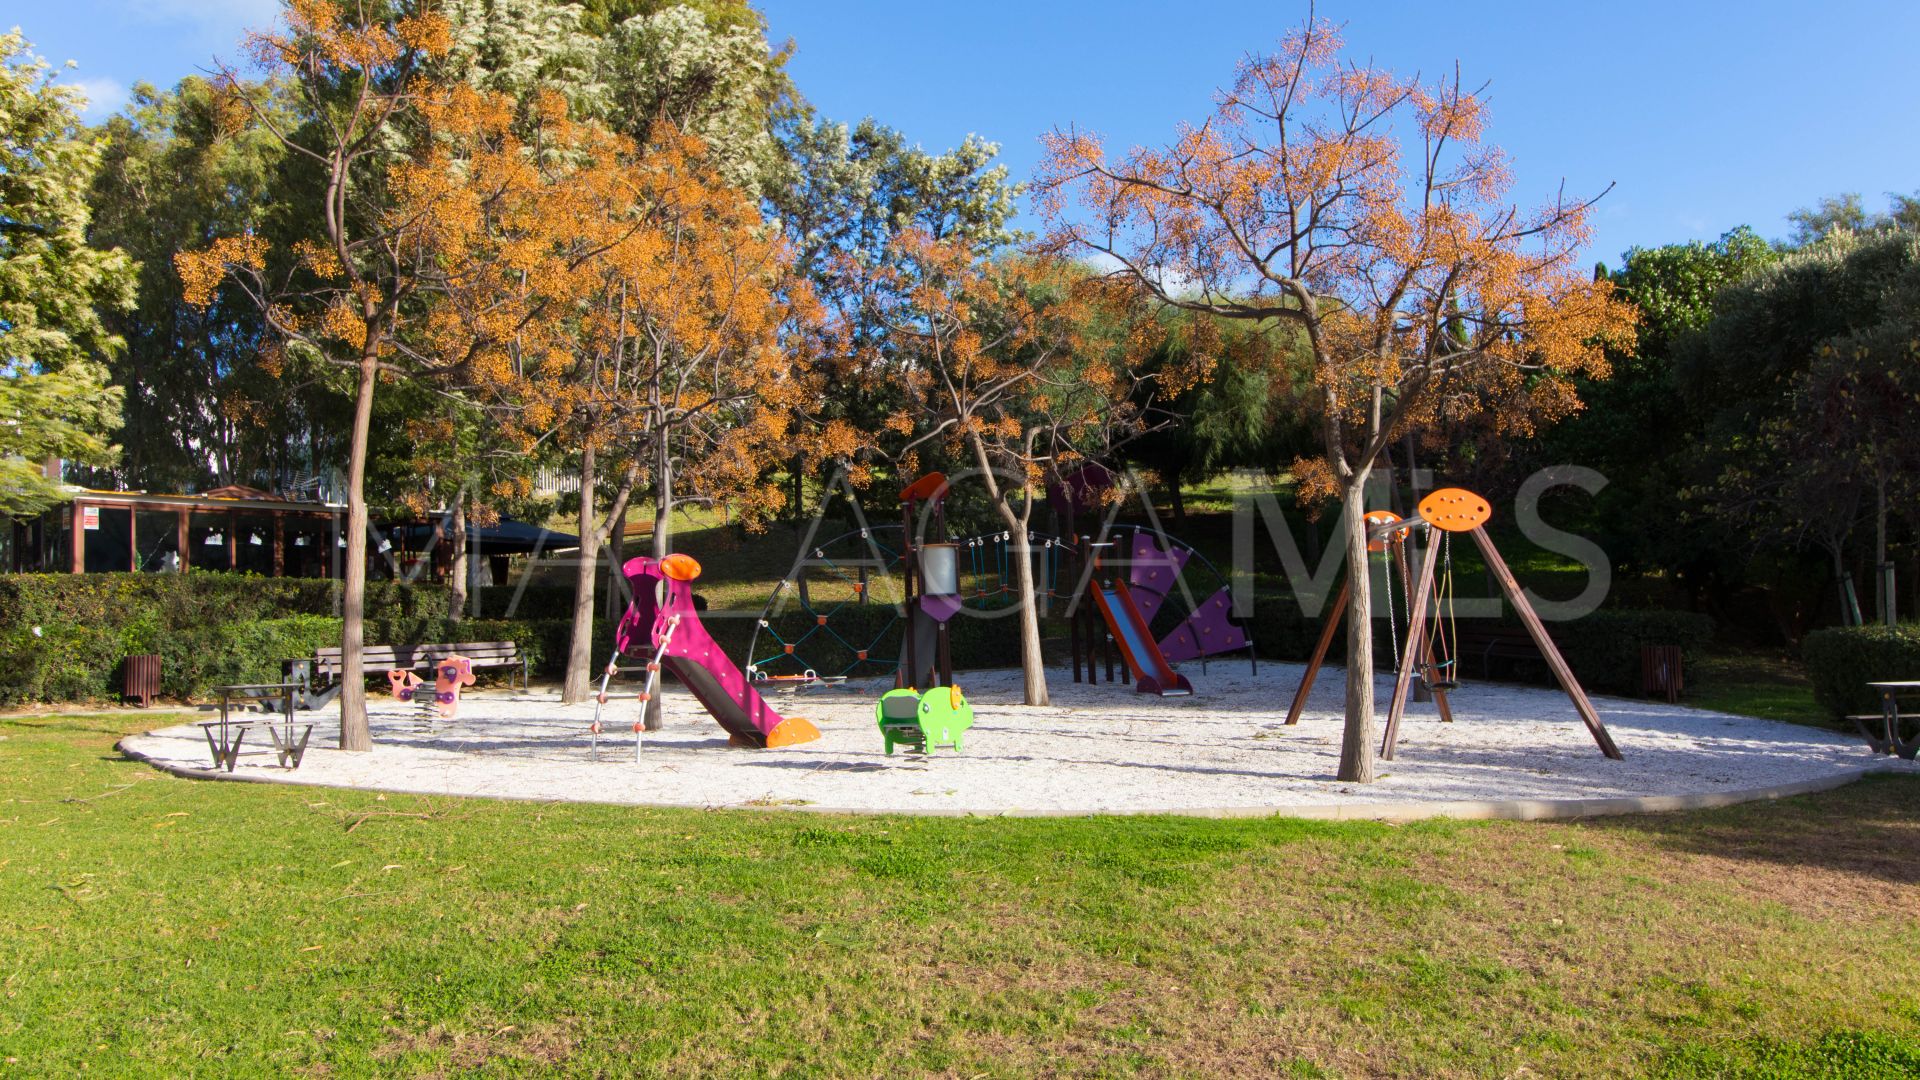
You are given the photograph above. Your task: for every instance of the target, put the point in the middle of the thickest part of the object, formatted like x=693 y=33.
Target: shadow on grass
x=1870 y=828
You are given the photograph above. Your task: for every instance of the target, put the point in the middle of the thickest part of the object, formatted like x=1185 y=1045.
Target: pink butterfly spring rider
x=403 y=683
x=450 y=675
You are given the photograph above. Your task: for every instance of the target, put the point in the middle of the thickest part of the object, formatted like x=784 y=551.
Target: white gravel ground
x=1512 y=751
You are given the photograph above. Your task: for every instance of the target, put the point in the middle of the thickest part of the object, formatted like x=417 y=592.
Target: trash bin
x=143 y=678
x=1661 y=671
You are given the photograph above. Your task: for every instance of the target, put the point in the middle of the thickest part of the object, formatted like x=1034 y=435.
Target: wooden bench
x=1661 y=666
x=225 y=746
x=322 y=674
x=1492 y=641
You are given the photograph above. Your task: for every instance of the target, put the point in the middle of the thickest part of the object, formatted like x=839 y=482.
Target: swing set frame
x=1390 y=533
x=1442 y=513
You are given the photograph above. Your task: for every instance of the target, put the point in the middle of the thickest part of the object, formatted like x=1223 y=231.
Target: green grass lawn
x=165 y=927
x=1755 y=682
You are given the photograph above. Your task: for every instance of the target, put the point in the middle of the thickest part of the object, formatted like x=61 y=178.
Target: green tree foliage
x=515 y=47
x=199 y=411
x=848 y=193
x=54 y=285
x=1809 y=376
x=705 y=67
x=1637 y=429
x=1249 y=413
x=1849 y=212
x=600 y=16
x=722 y=84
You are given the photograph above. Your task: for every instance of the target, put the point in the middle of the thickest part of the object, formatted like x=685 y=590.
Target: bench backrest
x=378 y=657
x=1477 y=631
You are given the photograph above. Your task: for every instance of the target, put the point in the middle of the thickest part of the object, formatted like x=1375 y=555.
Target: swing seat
x=1440 y=677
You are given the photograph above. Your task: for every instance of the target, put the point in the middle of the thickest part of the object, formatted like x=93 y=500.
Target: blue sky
x=1704 y=115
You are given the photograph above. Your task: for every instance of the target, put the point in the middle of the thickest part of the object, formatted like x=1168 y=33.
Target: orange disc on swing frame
x=1455 y=510
x=1377 y=518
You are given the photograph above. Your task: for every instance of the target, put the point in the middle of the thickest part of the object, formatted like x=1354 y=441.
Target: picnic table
x=1883 y=731
x=232 y=732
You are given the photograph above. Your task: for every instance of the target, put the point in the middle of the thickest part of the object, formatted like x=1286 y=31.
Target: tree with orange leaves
x=342 y=295
x=1364 y=211
x=615 y=303
x=1028 y=369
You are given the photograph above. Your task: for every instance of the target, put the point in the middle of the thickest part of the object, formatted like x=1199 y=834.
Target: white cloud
x=104 y=96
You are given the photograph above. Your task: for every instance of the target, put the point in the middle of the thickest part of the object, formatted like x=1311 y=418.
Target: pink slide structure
x=1150 y=668
x=661 y=622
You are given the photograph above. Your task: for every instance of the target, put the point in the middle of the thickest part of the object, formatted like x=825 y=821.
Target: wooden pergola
x=234 y=528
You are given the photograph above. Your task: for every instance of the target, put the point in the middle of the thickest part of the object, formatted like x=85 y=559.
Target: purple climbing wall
x=1152 y=573
x=1205 y=633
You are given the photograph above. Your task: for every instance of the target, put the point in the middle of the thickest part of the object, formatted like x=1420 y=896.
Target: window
x=106 y=534
x=310 y=547
x=56 y=548
x=156 y=540
x=253 y=543
x=208 y=535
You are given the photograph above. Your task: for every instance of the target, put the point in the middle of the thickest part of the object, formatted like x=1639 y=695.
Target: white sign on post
x=90 y=517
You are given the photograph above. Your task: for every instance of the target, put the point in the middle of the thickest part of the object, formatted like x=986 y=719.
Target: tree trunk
x=654 y=719
x=1882 y=591
x=354 y=733
x=1389 y=480
x=800 y=489
x=1879 y=518
x=457 y=573
x=1849 y=603
x=1033 y=666
x=1356 y=743
x=616 y=563
x=662 y=500
x=1413 y=481
x=1179 y=503
x=580 y=649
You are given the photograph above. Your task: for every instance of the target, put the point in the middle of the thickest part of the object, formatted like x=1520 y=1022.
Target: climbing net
x=832 y=614
x=839 y=613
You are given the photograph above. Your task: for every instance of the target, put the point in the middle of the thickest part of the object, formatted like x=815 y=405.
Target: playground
x=1099 y=749
x=1188 y=721
x=746 y=538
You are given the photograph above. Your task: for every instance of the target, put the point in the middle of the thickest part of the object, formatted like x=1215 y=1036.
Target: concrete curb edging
x=1464 y=810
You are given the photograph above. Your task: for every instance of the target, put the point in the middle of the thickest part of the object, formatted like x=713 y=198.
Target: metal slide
x=1151 y=672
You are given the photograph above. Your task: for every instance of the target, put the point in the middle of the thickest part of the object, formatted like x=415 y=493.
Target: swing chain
x=1393 y=630
x=1436 y=675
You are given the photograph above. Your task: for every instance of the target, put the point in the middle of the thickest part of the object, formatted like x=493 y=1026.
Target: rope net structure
x=838 y=613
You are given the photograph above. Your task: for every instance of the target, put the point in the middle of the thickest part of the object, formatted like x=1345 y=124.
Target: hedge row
x=216 y=628
x=1603 y=648
x=84 y=663
x=1842 y=660
x=175 y=600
